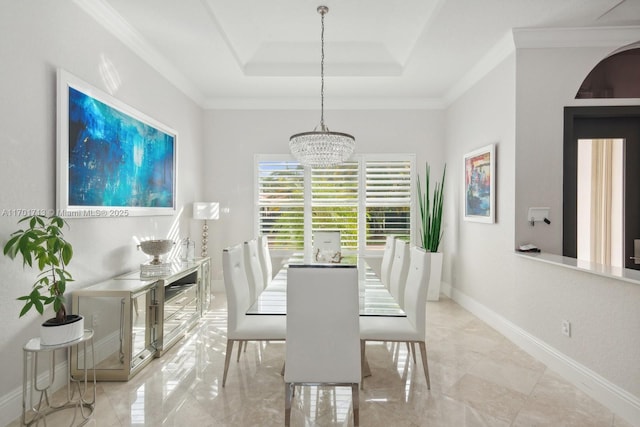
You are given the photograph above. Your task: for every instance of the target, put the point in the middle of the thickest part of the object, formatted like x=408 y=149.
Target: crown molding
x=498 y=53
x=109 y=18
x=575 y=37
x=613 y=37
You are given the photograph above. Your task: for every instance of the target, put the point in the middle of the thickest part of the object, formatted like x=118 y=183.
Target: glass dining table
x=375 y=298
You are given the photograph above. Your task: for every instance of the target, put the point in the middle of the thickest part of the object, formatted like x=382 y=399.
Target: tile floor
x=478 y=378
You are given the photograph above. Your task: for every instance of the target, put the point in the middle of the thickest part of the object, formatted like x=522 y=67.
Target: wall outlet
x=566 y=328
x=94 y=320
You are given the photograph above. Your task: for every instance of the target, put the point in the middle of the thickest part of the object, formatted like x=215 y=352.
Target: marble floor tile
x=478 y=379
x=487 y=397
x=554 y=401
x=506 y=374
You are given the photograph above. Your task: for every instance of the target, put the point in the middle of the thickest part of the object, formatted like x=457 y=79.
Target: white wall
x=604 y=312
x=36 y=38
x=528 y=299
x=478 y=253
x=548 y=80
x=229 y=171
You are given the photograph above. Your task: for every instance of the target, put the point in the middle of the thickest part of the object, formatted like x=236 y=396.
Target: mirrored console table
x=138 y=318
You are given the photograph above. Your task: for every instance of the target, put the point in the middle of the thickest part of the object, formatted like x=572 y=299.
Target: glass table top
x=375 y=298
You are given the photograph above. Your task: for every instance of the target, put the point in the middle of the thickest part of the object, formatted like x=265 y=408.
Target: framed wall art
x=479 y=189
x=112 y=160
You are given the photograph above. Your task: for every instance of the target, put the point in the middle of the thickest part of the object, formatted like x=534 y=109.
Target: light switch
x=538 y=214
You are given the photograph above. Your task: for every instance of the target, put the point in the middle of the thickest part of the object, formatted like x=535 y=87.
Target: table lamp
x=206 y=211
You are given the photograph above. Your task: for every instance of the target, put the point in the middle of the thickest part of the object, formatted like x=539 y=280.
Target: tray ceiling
x=258 y=54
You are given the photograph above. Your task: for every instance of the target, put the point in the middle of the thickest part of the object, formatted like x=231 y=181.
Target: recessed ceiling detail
x=267 y=42
x=343 y=59
x=380 y=53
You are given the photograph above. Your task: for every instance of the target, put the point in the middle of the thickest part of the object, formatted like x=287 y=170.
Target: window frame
x=361 y=159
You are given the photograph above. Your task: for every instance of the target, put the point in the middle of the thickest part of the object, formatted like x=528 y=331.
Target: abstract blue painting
x=115 y=159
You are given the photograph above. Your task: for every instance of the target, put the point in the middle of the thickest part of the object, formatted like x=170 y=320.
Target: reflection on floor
x=478 y=378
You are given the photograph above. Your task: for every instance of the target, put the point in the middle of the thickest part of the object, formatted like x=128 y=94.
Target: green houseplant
x=431 y=211
x=431 y=229
x=41 y=244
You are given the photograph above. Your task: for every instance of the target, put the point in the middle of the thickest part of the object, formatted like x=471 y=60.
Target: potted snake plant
x=42 y=246
x=431 y=228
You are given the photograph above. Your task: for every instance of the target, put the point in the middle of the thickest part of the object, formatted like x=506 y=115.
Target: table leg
x=82 y=401
x=30 y=386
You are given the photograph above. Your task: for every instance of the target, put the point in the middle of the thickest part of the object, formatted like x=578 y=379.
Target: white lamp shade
x=206 y=210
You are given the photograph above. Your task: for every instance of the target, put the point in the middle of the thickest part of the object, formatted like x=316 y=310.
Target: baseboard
x=618 y=400
x=11 y=403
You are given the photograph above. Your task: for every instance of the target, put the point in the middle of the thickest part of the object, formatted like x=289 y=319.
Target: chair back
x=253 y=268
x=265 y=259
x=323 y=328
x=415 y=293
x=387 y=260
x=399 y=268
x=235 y=285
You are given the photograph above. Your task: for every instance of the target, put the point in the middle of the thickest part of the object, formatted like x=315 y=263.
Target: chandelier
x=321 y=147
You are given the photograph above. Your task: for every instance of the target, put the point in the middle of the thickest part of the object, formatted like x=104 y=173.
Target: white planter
x=435 y=275
x=56 y=334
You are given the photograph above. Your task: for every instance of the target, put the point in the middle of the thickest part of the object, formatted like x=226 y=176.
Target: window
x=367 y=199
x=388 y=200
x=281 y=203
x=334 y=201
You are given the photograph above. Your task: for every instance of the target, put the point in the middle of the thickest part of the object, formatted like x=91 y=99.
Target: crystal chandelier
x=321 y=147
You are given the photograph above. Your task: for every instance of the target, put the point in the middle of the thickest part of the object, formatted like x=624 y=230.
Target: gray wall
x=518 y=106
x=229 y=173
x=37 y=38
x=604 y=312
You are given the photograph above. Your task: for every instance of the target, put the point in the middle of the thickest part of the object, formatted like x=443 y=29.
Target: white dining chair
x=253 y=267
x=399 y=268
x=322 y=330
x=265 y=259
x=410 y=329
x=240 y=326
x=387 y=260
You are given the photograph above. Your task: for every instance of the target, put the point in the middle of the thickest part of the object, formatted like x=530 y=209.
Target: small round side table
x=79 y=396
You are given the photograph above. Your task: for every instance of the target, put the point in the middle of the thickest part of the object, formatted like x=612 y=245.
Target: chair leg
x=355 y=397
x=227 y=358
x=288 y=394
x=425 y=365
x=240 y=349
x=362 y=359
x=413 y=351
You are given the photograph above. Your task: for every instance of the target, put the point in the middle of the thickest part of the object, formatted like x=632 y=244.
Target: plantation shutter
x=388 y=201
x=334 y=201
x=366 y=199
x=281 y=203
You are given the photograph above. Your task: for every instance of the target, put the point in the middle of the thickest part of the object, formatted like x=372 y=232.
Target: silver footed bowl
x=155 y=248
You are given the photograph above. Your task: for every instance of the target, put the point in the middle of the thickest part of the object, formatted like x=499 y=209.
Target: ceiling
x=404 y=53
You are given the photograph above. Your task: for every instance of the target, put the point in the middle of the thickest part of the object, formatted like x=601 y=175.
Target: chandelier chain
x=321 y=148
x=322 y=73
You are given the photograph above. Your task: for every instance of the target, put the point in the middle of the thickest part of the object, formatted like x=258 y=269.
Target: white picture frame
x=112 y=160
x=478 y=191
